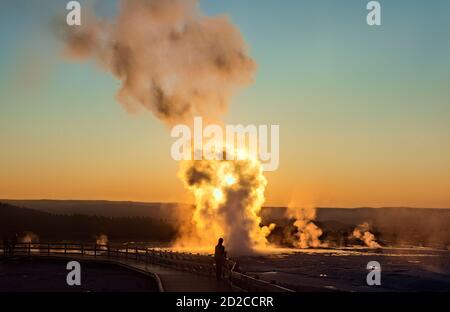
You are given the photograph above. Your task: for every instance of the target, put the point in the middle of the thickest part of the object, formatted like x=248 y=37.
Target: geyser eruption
x=178 y=63
x=169 y=57
x=362 y=233
x=228 y=195
x=308 y=233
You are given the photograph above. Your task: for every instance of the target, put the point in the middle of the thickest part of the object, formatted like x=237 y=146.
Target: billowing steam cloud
x=362 y=233
x=179 y=63
x=29 y=237
x=102 y=240
x=308 y=234
x=228 y=200
x=169 y=57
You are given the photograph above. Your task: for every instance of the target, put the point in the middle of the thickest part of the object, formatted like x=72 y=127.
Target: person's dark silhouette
x=5 y=245
x=220 y=256
x=13 y=242
x=237 y=267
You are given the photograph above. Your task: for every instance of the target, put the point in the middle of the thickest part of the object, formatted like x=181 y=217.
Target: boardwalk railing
x=193 y=263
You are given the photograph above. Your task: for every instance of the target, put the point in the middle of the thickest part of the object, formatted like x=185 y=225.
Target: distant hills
x=103 y=208
x=172 y=210
x=157 y=221
x=77 y=227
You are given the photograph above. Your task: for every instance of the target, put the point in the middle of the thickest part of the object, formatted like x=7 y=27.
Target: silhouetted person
x=220 y=256
x=13 y=242
x=5 y=245
x=236 y=267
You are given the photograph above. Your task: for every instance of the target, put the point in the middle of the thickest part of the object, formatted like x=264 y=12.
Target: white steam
x=308 y=233
x=362 y=233
x=169 y=57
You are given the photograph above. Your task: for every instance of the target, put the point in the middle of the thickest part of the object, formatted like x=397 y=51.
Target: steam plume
x=102 y=241
x=169 y=57
x=308 y=233
x=29 y=237
x=362 y=233
x=178 y=63
x=228 y=200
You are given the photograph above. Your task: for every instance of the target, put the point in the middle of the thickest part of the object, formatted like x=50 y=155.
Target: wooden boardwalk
x=169 y=280
x=173 y=271
x=179 y=281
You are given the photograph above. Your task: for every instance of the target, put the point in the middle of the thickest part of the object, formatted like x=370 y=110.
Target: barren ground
x=345 y=269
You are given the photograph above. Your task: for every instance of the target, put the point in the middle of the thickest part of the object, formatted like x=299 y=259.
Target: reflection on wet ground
x=344 y=269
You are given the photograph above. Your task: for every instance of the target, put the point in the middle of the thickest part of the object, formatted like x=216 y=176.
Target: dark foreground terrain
x=45 y=275
x=402 y=270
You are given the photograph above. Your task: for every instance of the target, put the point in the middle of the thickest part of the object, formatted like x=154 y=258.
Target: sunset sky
x=364 y=112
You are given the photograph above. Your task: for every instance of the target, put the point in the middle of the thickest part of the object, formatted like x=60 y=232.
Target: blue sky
x=364 y=111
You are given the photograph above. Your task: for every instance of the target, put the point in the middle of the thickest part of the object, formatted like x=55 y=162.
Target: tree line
x=51 y=227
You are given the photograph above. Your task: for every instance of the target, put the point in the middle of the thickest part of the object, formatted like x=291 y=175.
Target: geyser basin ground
x=402 y=269
x=344 y=269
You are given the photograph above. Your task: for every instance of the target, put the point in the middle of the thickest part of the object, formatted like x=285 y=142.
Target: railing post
x=194 y=263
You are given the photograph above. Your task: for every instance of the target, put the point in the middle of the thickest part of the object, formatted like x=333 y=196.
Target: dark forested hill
x=83 y=220
x=81 y=227
x=167 y=211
